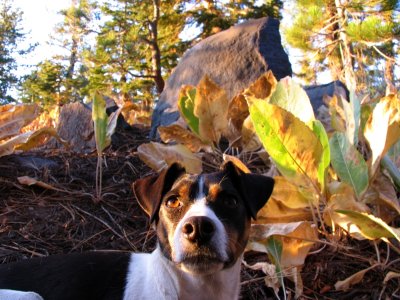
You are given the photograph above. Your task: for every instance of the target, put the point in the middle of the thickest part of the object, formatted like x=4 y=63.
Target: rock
x=75 y=125
x=233 y=58
x=316 y=93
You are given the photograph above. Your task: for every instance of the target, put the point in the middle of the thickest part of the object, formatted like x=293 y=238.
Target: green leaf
x=186 y=103
x=100 y=119
x=348 y=163
x=292 y=145
x=275 y=247
x=356 y=110
x=370 y=226
x=319 y=130
x=290 y=96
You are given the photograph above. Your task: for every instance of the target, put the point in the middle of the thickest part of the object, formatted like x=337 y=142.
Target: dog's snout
x=198 y=229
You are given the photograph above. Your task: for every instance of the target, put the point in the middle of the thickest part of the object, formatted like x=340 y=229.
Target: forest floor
x=37 y=221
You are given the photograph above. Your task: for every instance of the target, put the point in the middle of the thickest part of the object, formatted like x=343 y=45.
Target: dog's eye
x=173 y=202
x=230 y=201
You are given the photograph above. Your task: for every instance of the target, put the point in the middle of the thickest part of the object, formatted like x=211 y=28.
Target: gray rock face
x=316 y=93
x=233 y=58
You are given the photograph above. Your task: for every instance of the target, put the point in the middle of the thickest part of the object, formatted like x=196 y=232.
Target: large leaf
x=296 y=239
x=292 y=145
x=186 y=103
x=14 y=117
x=100 y=119
x=370 y=226
x=158 y=156
x=211 y=107
x=382 y=130
x=176 y=133
x=289 y=195
x=28 y=140
x=348 y=163
x=263 y=87
x=292 y=97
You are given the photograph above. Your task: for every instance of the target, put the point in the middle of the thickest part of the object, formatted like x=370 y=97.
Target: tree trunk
x=155 y=50
x=346 y=53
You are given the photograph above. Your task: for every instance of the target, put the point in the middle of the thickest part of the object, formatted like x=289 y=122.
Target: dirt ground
x=36 y=221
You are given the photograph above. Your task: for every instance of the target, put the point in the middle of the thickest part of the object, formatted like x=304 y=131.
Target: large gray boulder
x=233 y=58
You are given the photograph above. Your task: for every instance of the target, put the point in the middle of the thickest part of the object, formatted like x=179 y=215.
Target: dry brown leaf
x=237 y=162
x=29 y=181
x=263 y=87
x=176 y=133
x=271 y=280
x=211 y=107
x=238 y=111
x=344 y=285
x=14 y=117
x=391 y=275
x=382 y=197
x=158 y=156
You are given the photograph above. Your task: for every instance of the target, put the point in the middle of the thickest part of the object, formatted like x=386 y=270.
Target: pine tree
x=11 y=35
x=136 y=46
x=346 y=37
x=214 y=16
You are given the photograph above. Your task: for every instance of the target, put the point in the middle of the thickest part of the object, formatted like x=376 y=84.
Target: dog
x=202 y=224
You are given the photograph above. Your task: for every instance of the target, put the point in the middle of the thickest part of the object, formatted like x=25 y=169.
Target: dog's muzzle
x=200 y=243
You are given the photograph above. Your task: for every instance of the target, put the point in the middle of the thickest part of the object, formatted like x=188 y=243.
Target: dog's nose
x=198 y=229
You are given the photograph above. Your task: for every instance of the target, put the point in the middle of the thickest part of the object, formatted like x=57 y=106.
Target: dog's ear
x=150 y=190
x=255 y=189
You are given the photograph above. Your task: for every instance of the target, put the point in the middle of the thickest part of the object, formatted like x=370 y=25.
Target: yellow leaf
x=263 y=87
x=293 y=146
x=289 y=194
x=14 y=117
x=158 y=156
x=211 y=107
x=382 y=130
x=28 y=140
x=38 y=138
x=275 y=212
x=176 y=133
x=344 y=285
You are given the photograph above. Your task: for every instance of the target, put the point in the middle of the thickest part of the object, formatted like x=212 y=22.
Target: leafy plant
x=104 y=128
x=330 y=182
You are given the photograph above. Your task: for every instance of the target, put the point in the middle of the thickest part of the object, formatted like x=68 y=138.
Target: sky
x=39 y=19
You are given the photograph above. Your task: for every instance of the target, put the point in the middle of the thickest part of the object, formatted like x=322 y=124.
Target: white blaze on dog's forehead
x=200 y=192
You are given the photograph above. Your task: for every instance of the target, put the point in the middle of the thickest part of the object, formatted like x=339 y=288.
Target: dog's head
x=203 y=221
